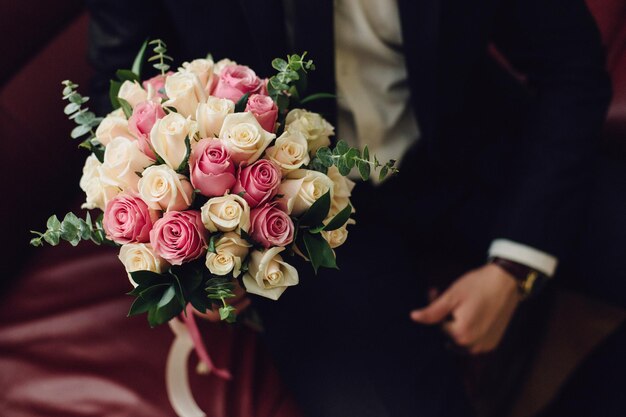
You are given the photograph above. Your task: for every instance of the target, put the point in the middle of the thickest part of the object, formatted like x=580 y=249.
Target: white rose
x=140 y=257
x=97 y=193
x=185 y=92
x=314 y=127
x=268 y=275
x=337 y=237
x=164 y=189
x=168 y=138
x=202 y=68
x=210 y=116
x=111 y=127
x=123 y=160
x=301 y=189
x=132 y=92
x=221 y=64
x=244 y=137
x=225 y=214
x=342 y=190
x=290 y=151
x=230 y=251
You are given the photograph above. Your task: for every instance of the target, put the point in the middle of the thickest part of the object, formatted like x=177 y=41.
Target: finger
x=435 y=312
x=433 y=293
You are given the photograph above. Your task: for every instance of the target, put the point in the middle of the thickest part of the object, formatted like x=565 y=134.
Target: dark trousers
x=343 y=340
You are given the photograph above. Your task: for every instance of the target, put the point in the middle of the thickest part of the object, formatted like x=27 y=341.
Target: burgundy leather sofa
x=66 y=346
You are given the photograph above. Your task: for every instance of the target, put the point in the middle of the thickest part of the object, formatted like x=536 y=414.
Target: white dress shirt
x=374 y=107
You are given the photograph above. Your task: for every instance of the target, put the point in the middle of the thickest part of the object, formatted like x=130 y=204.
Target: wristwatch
x=529 y=280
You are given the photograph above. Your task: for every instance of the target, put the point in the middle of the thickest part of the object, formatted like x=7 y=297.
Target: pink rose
x=145 y=114
x=235 y=81
x=179 y=236
x=128 y=219
x=157 y=85
x=259 y=182
x=264 y=109
x=270 y=226
x=212 y=171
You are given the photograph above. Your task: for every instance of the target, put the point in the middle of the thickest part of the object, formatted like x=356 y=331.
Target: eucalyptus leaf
x=325 y=156
x=139 y=59
x=79 y=131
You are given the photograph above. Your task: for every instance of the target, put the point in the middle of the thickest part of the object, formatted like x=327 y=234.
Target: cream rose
x=290 y=151
x=140 y=257
x=230 y=251
x=314 y=127
x=111 y=127
x=301 y=189
x=168 y=138
x=97 y=193
x=185 y=92
x=210 y=116
x=337 y=237
x=342 y=190
x=225 y=214
x=132 y=92
x=244 y=137
x=268 y=275
x=203 y=69
x=123 y=162
x=164 y=189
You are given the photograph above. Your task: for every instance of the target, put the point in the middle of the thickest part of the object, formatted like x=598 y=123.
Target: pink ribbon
x=203 y=355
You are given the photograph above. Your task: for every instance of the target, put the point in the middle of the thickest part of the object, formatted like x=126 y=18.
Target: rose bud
x=259 y=182
x=145 y=115
x=270 y=226
x=128 y=219
x=264 y=109
x=212 y=171
x=179 y=236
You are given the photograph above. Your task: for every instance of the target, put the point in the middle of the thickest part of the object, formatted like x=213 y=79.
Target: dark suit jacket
x=521 y=146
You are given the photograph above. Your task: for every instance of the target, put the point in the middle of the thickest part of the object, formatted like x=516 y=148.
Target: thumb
x=435 y=312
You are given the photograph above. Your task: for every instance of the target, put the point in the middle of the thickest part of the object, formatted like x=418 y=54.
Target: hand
x=476 y=309
x=240 y=302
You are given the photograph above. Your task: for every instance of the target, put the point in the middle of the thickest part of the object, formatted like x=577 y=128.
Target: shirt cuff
x=526 y=255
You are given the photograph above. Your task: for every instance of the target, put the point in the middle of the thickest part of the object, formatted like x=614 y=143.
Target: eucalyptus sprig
x=345 y=157
x=72 y=229
x=160 y=50
x=85 y=120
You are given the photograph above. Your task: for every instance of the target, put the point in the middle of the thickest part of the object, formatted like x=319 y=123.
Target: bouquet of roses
x=209 y=175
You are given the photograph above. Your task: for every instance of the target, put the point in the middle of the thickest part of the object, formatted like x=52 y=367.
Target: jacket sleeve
x=556 y=44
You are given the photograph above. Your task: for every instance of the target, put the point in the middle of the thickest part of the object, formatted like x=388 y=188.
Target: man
x=492 y=107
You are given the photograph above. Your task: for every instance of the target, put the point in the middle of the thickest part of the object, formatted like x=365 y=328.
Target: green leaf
x=318 y=251
x=185 y=162
x=317 y=212
x=52 y=238
x=71 y=108
x=340 y=219
x=79 y=131
x=228 y=313
x=139 y=59
x=114 y=89
x=364 y=170
x=53 y=223
x=140 y=305
x=342 y=147
x=342 y=165
x=351 y=156
x=126 y=75
x=279 y=64
x=241 y=104
x=366 y=153
x=166 y=309
x=126 y=107
x=147 y=278
x=316 y=96
x=383 y=172
x=325 y=156
x=212 y=240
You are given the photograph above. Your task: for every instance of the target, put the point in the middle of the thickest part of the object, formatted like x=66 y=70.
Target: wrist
x=528 y=280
